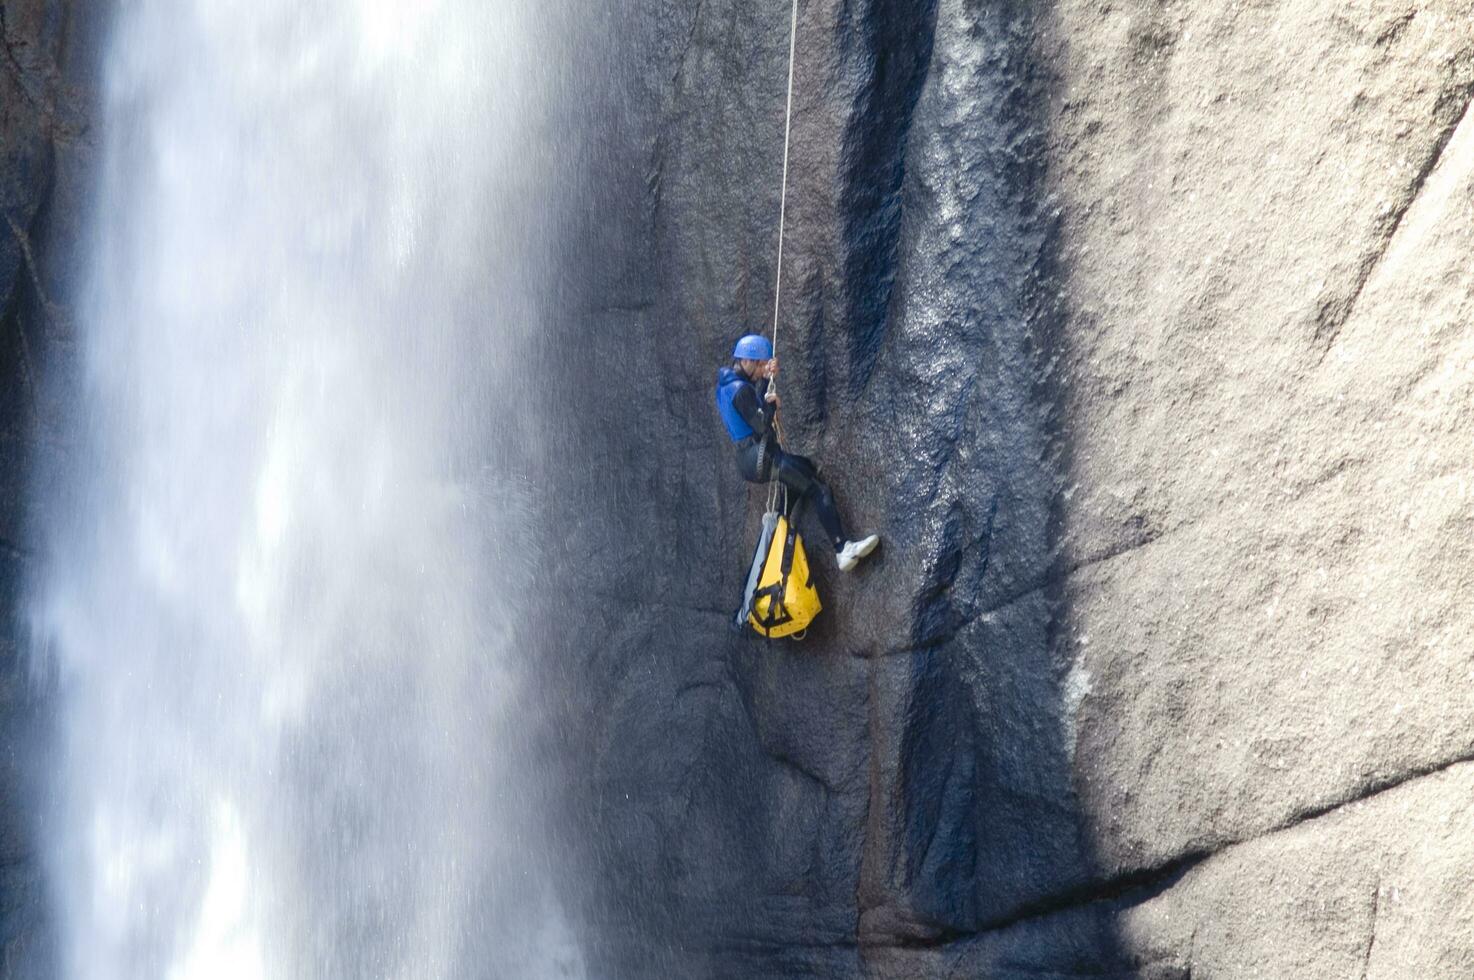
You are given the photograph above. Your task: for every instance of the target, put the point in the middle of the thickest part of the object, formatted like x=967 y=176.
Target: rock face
x=47 y=83
x=1140 y=333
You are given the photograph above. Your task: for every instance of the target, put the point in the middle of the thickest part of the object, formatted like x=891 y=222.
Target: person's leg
x=801 y=477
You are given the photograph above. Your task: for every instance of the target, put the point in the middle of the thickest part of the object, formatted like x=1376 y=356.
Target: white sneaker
x=850 y=555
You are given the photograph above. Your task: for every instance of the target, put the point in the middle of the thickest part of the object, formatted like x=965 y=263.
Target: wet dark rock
x=899 y=779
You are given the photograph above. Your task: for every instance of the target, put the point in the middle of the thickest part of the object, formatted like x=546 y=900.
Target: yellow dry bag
x=781 y=599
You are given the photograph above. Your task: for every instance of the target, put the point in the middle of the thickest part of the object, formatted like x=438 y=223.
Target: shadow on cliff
x=977 y=853
x=893 y=797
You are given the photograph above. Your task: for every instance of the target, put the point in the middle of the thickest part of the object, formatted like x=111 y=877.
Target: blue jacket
x=742 y=409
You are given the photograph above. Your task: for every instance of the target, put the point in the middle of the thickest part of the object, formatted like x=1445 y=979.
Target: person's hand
x=771 y=369
x=772 y=398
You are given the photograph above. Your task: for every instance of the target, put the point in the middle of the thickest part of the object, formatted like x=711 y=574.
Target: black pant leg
x=801 y=477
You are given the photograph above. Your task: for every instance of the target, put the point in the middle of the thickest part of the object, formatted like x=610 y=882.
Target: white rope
x=783 y=199
x=782 y=220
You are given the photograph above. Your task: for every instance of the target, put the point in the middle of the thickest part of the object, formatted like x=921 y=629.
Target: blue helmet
x=753 y=347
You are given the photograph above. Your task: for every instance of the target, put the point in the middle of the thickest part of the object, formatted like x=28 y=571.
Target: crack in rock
x=1064 y=574
x=1334 y=314
x=686 y=47
x=1366 y=965
x=19 y=71
x=1052 y=578
x=1144 y=884
x=48 y=309
x=46 y=108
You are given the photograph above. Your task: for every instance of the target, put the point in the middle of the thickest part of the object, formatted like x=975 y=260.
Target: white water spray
x=281 y=590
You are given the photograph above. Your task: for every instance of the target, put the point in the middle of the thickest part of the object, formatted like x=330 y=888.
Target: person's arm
x=756 y=412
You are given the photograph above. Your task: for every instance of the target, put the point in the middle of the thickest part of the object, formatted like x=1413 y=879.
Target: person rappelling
x=749 y=410
x=780 y=598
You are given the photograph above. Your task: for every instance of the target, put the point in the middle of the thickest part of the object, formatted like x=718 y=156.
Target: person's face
x=750 y=368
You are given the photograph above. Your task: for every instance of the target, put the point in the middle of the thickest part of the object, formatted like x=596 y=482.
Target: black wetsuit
x=760 y=458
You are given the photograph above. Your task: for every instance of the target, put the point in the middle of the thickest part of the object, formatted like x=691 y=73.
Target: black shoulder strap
x=777 y=613
x=786 y=568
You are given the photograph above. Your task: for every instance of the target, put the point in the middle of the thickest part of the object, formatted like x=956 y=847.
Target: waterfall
x=280 y=599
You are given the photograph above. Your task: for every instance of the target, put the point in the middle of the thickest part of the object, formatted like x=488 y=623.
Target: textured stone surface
x=1376 y=889
x=1270 y=265
x=47 y=82
x=1140 y=332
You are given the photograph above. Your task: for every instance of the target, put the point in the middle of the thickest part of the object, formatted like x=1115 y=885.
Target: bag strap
x=777 y=613
x=777 y=593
